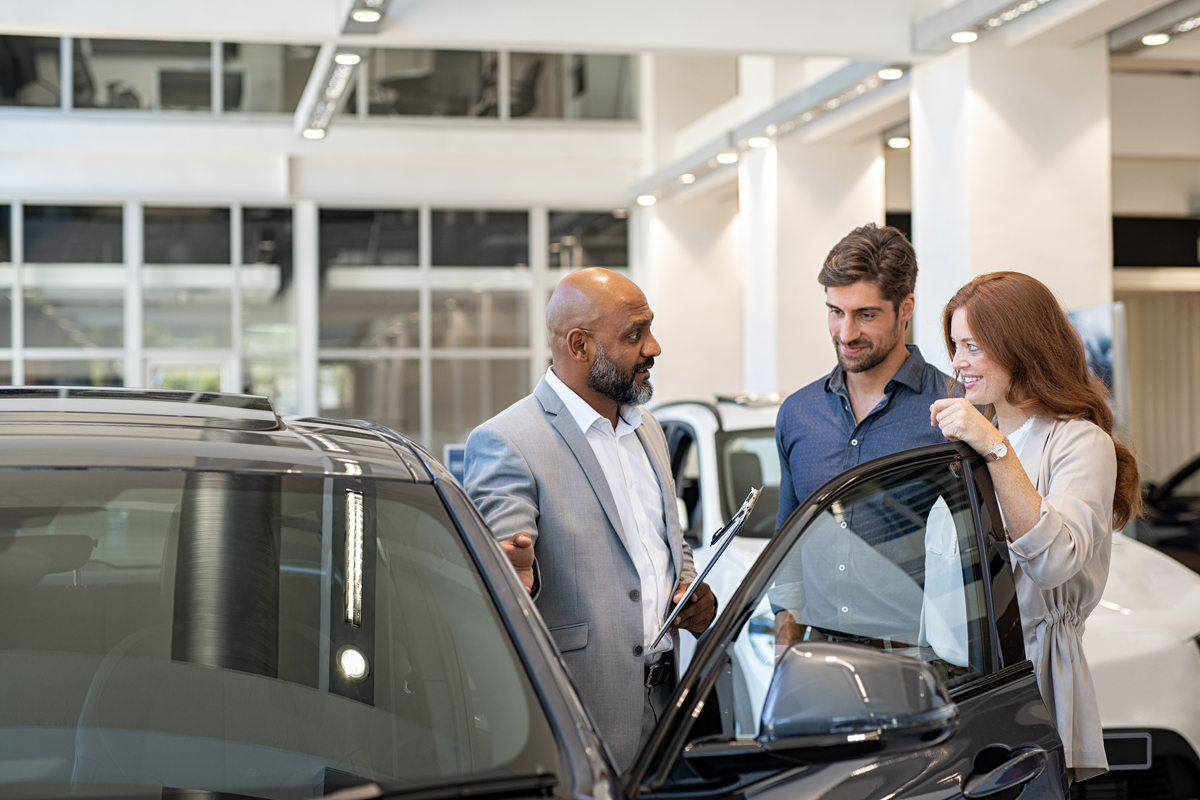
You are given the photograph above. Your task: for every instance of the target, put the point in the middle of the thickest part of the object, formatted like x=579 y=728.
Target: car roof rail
x=102 y=403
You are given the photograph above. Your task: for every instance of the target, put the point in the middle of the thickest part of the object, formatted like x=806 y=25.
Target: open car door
x=887 y=589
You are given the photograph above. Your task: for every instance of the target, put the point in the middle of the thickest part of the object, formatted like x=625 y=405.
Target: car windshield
x=273 y=636
x=749 y=460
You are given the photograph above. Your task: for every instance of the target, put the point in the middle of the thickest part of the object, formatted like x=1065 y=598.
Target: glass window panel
x=97 y=372
x=29 y=71
x=268 y=304
x=233 y=694
x=386 y=391
x=186 y=235
x=480 y=319
x=185 y=377
x=266 y=78
x=74 y=234
x=74 y=306
x=6 y=306
x=891 y=563
x=589 y=239
x=571 y=86
x=127 y=73
x=467 y=392
x=432 y=83
x=275 y=380
x=359 y=237
x=363 y=318
x=186 y=317
x=6 y=373
x=5 y=233
x=480 y=238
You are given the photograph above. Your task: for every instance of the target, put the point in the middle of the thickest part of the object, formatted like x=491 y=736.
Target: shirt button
x=637 y=651
x=845 y=609
x=843 y=524
x=635 y=595
x=854 y=442
x=841 y=567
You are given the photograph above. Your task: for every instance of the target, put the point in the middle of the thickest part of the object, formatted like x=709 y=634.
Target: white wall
x=1154 y=187
x=825 y=191
x=694 y=286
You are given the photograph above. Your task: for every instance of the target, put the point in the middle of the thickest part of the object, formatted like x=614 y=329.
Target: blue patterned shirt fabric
x=818 y=437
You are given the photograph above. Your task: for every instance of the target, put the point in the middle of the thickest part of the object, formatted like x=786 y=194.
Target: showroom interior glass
x=269 y=78
x=426 y=320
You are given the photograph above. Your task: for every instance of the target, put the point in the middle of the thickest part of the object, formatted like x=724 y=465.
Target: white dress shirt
x=639 y=500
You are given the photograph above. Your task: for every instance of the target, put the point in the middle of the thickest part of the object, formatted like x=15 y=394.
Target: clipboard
x=724 y=536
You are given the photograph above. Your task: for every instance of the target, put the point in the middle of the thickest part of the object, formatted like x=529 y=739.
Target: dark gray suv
x=199 y=598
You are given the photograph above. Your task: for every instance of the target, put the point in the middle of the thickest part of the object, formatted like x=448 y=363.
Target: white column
x=758 y=203
x=307 y=281
x=1011 y=170
x=539 y=236
x=825 y=191
x=132 y=245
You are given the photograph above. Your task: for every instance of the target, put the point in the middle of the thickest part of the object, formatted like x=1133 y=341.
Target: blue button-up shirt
x=818 y=436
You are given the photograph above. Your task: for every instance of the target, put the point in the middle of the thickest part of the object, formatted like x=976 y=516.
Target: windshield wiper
x=489 y=788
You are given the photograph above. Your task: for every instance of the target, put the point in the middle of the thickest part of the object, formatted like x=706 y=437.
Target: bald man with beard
x=575 y=482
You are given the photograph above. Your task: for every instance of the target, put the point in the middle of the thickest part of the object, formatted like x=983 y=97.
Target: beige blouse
x=1060 y=568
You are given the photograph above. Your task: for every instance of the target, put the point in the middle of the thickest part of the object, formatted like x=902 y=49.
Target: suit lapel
x=661 y=464
x=565 y=424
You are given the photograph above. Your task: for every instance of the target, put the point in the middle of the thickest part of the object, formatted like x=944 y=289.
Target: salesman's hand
x=519 y=550
x=700 y=609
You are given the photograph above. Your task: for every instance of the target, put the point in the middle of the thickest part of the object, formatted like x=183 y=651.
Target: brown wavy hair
x=1021 y=326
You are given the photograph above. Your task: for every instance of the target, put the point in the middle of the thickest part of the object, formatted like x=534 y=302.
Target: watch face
x=999 y=449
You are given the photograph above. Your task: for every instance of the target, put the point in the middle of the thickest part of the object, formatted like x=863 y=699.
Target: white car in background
x=1142 y=643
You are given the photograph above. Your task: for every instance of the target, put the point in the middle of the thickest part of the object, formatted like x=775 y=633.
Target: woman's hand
x=959 y=420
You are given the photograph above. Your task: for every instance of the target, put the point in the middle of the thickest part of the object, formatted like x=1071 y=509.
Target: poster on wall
x=1102 y=329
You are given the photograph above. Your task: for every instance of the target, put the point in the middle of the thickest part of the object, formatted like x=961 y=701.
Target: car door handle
x=1026 y=764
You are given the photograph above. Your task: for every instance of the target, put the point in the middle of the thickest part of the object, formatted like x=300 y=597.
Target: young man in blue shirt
x=876 y=400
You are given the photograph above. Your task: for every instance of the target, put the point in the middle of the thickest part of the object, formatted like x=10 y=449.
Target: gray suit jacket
x=531 y=469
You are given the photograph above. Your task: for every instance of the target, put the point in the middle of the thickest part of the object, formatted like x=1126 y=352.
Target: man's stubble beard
x=606 y=378
x=871 y=359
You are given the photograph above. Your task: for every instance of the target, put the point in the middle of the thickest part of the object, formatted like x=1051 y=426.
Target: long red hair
x=1020 y=325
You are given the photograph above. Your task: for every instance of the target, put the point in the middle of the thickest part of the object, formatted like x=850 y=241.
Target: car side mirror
x=845 y=696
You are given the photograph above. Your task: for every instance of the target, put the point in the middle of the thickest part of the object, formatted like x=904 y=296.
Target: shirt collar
x=585 y=416
x=911 y=374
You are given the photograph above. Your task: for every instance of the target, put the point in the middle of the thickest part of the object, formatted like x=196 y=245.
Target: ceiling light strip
x=1172 y=19
x=953 y=26
x=835 y=92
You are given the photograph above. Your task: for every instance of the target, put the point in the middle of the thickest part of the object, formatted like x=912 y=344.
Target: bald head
x=587 y=299
x=600 y=337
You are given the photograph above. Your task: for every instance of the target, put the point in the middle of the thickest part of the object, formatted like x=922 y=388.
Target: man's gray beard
x=607 y=379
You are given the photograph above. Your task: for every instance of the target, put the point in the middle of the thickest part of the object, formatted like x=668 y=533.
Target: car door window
x=685 y=468
x=1186 y=489
x=750 y=460
x=891 y=562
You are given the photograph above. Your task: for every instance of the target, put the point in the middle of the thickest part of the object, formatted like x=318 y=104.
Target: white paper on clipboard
x=724 y=536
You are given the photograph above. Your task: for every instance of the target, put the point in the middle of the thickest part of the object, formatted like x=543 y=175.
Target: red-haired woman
x=1064 y=484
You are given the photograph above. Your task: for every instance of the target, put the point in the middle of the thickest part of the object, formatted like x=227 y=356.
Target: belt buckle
x=656 y=674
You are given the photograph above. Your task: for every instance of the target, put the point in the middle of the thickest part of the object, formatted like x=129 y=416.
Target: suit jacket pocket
x=570 y=637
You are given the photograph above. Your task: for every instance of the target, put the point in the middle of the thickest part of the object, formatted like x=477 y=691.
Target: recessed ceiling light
x=758 y=141
x=349 y=59
x=898 y=142
x=365 y=15
x=314 y=133
x=646 y=200
x=1155 y=39
x=964 y=37
x=687 y=178
x=727 y=158
x=891 y=74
